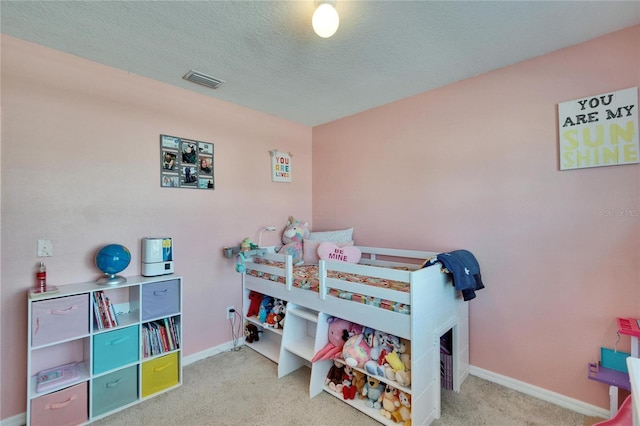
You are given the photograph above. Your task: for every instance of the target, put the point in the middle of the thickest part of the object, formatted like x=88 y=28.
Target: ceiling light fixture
x=325 y=19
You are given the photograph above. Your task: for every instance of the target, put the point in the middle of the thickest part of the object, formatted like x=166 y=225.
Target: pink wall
x=80 y=166
x=475 y=165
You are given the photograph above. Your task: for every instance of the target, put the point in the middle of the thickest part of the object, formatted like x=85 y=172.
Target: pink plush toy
x=293 y=236
x=338 y=334
x=356 y=352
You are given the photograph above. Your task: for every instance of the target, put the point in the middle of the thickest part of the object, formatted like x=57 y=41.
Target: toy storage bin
x=160 y=373
x=446 y=371
x=59 y=319
x=114 y=390
x=116 y=348
x=160 y=299
x=63 y=408
x=446 y=360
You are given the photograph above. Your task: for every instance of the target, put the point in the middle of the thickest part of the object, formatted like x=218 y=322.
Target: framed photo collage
x=186 y=163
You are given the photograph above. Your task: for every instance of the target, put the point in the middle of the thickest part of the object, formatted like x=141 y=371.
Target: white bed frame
x=435 y=306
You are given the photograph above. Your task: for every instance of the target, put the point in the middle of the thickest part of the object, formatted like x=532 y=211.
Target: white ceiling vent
x=203 y=79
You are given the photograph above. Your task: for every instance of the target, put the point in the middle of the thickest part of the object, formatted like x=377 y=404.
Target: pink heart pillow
x=330 y=251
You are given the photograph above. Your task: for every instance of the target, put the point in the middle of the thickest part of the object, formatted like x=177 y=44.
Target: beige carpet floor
x=241 y=388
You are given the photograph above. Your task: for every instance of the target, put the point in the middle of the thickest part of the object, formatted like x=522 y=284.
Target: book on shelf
x=104 y=311
x=112 y=312
x=57 y=376
x=174 y=329
x=110 y=318
x=159 y=336
x=100 y=315
x=96 y=315
x=152 y=342
x=170 y=338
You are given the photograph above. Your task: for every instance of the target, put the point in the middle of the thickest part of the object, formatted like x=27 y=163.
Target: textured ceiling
x=272 y=61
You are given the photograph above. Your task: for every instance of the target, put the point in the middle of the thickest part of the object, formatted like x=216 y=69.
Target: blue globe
x=113 y=258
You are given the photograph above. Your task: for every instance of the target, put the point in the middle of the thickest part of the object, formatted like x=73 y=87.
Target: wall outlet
x=230 y=311
x=45 y=248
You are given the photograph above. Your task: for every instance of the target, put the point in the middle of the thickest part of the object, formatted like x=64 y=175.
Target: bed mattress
x=306 y=277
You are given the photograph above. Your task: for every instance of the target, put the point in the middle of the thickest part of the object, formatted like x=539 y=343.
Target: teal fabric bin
x=114 y=390
x=615 y=360
x=116 y=348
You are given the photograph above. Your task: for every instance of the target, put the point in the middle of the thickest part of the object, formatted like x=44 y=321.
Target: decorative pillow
x=330 y=251
x=310 y=250
x=340 y=236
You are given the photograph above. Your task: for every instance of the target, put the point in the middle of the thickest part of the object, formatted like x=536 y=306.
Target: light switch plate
x=45 y=248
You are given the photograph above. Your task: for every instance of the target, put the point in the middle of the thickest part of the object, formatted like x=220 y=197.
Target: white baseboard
x=541 y=393
x=17 y=420
x=225 y=347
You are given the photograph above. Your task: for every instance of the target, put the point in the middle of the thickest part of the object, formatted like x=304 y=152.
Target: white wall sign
x=599 y=130
x=280 y=166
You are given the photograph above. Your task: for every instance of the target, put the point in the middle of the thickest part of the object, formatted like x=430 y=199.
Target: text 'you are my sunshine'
x=599 y=130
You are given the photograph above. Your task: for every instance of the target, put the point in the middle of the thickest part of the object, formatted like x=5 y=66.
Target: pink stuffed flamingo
x=338 y=334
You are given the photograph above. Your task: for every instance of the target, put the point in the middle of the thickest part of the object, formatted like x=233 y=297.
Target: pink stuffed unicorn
x=293 y=236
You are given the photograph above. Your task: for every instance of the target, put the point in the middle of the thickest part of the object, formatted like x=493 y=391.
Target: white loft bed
x=434 y=307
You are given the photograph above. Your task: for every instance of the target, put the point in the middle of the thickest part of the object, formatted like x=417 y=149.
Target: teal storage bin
x=114 y=390
x=115 y=349
x=615 y=360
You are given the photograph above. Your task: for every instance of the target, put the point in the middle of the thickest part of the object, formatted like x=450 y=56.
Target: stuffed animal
x=348 y=387
x=373 y=340
x=245 y=245
x=404 y=377
x=356 y=351
x=359 y=380
x=293 y=236
x=403 y=414
x=373 y=390
x=251 y=333
x=381 y=345
x=338 y=334
x=265 y=307
x=254 y=303
x=272 y=320
x=279 y=308
x=390 y=402
x=388 y=343
x=393 y=359
x=275 y=317
x=398 y=365
x=334 y=377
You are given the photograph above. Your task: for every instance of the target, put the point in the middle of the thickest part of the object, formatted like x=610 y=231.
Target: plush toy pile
x=370 y=364
x=269 y=311
x=306 y=247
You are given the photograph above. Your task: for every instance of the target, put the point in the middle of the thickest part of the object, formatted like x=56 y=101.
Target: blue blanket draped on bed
x=464 y=268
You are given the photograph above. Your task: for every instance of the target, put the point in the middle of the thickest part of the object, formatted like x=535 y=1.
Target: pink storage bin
x=59 y=319
x=66 y=407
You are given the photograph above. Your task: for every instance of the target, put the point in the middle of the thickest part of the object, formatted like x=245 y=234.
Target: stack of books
x=103 y=310
x=160 y=336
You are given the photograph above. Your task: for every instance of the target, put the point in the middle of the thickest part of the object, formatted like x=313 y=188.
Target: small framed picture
x=280 y=166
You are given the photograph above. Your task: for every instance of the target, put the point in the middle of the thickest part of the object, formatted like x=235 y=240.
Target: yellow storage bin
x=160 y=373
